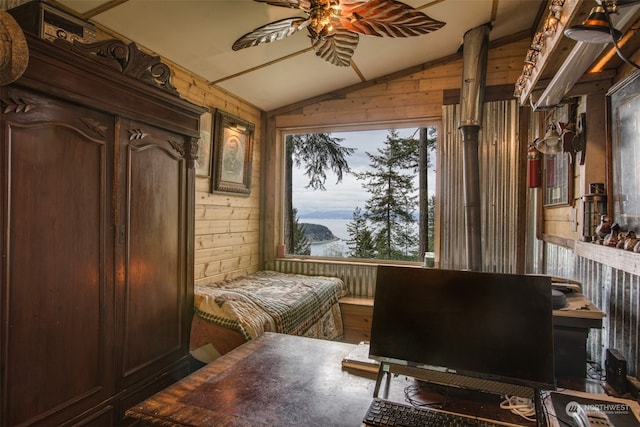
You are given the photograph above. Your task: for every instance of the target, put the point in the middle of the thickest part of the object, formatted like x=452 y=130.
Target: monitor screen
x=486 y=325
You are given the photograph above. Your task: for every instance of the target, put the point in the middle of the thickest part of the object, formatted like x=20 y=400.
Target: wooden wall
x=227 y=226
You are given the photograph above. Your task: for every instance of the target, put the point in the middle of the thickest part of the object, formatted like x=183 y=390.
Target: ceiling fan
x=334 y=25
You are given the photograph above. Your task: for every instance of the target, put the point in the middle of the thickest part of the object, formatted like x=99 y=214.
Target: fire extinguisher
x=533 y=166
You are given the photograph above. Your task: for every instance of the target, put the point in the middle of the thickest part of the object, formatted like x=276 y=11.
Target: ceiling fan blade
x=337 y=48
x=293 y=4
x=387 y=18
x=277 y=30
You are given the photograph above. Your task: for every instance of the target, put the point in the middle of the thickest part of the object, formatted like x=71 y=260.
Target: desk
x=570 y=332
x=288 y=380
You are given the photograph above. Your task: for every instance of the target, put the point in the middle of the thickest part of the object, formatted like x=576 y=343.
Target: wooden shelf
x=613 y=257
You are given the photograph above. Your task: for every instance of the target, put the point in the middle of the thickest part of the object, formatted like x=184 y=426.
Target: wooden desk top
x=288 y=380
x=273 y=380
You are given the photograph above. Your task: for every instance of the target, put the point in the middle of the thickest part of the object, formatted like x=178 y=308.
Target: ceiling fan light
x=595 y=29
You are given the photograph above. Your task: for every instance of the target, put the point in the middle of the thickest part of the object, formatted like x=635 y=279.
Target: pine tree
x=318 y=152
x=431 y=223
x=360 y=241
x=301 y=244
x=393 y=200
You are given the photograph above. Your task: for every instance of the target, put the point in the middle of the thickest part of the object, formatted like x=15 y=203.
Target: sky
x=349 y=194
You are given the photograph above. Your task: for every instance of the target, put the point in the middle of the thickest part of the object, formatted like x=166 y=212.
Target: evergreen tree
x=431 y=223
x=317 y=152
x=393 y=200
x=428 y=139
x=301 y=244
x=360 y=241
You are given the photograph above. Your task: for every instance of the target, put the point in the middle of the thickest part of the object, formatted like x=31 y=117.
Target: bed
x=231 y=312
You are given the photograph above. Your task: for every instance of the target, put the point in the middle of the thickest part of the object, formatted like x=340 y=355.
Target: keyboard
x=384 y=413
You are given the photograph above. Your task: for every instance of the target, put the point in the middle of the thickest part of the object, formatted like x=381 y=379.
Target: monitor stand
x=448 y=379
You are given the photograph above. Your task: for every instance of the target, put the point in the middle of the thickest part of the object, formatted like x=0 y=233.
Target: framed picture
x=559 y=167
x=558 y=179
x=233 y=149
x=203 y=166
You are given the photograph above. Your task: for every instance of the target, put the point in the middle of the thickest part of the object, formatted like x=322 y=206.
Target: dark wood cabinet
x=97 y=233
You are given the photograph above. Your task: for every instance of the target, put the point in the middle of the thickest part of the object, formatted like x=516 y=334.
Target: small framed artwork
x=558 y=179
x=203 y=165
x=233 y=149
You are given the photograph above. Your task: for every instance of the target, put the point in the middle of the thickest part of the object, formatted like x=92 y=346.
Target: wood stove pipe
x=474 y=70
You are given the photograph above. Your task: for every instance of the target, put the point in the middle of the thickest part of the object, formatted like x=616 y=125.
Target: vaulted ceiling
x=198 y=35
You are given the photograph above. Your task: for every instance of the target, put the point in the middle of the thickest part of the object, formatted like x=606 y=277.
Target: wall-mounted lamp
x=595 y=29
x=565 y=137
x=598 y=28
x=550 y=142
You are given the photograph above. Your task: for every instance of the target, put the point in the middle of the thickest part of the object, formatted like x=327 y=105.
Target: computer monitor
x=491 y=326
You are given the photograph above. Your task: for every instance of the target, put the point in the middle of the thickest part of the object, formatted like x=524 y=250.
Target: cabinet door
x=57 y=260
x=152 y=251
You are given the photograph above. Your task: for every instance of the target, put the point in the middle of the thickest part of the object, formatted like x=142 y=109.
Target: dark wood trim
x=67 y=67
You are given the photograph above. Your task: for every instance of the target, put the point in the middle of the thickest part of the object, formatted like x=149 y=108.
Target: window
x=625 y=149
x=360 y=194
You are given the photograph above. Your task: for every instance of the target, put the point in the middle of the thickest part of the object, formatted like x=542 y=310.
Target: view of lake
x=339 y=229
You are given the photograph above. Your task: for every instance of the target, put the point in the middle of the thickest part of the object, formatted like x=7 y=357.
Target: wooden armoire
x=97 y=173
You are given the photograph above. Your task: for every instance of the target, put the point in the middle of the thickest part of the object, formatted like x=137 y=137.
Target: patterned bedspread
x=275 y=302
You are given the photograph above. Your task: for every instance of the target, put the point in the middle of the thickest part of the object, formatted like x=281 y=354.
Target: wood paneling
x=227 y=225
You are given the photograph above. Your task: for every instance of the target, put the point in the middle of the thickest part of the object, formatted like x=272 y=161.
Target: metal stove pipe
x=474 y=71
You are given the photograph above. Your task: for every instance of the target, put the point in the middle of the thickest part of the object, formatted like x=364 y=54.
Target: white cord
x=519 y=406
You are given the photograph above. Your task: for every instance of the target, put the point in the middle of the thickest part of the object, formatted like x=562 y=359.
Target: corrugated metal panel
x=534 y=250
x=359 y=278
x=615 y=292
x=451 y=227
x=499 y=161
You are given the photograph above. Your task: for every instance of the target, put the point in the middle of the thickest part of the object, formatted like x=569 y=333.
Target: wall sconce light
x=550 y=142
x=595 y=29
x=565 y=137
x=598 y=28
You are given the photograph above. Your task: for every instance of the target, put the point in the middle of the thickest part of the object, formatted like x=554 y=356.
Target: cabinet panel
x=57 y=258
x=155 y=259
x=356 y=317
x=97 y=233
